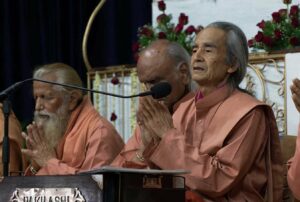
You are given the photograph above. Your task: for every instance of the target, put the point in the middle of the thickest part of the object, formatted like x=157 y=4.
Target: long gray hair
x=237 y=50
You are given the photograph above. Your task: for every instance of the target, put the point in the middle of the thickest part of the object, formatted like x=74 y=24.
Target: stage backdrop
x=35 y=32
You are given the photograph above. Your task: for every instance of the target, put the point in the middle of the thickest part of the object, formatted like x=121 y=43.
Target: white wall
x=245 y=13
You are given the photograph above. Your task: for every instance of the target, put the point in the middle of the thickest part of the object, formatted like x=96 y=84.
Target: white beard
x=54 y=125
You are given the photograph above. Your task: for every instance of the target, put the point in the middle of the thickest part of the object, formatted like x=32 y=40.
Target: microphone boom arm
x=95 y=91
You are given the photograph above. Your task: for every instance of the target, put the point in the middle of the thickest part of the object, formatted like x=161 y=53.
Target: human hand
x=295 y=90
x=155 y=118
x=38 y=148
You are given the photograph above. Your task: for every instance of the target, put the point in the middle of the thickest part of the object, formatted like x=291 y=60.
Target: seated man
x=225 y=137
x=15 y=144
x=161 y=61
x=68 y=135
x=294 y=164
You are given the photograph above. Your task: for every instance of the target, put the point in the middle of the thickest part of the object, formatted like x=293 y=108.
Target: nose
x=198 y=55
x=39 y=104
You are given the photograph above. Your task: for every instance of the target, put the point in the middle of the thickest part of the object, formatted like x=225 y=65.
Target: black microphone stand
x=4 y=98
x=5 y=144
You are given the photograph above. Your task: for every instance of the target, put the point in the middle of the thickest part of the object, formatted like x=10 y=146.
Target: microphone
x=157 y=91
x=5 y=93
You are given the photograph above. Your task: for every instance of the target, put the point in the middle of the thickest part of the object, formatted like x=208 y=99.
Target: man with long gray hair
x=225 y=137
x=67 y=135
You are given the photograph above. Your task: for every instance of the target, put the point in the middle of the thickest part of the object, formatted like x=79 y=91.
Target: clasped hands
x=295 y=89
x=154 y=119
x=37 y=146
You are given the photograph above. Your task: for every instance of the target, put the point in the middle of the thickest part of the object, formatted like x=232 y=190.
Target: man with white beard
x=67 y=135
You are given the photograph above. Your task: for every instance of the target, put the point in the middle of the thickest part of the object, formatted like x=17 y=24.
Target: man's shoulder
x=243 y=99
x=240 y=103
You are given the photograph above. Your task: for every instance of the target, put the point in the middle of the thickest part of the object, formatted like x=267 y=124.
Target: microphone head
x=160 y=90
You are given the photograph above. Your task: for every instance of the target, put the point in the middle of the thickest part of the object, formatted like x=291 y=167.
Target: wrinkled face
x=51 y=110
x=209 y=66
x=154 y=67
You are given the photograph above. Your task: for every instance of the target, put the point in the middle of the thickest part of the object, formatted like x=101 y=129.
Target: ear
x=184 y=70
x=75 y=97
x=232 y=68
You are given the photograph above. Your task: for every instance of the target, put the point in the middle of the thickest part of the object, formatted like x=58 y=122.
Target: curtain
x=35 y=32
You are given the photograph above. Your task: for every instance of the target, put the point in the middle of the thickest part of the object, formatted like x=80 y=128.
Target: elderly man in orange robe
x=225 y=137
x=16 y=161
x=294 y=164
x=167 y=61
x=161 y=61
x=68 y=135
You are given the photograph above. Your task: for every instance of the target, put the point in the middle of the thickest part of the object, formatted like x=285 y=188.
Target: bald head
x=162 y=56
x=167 y=61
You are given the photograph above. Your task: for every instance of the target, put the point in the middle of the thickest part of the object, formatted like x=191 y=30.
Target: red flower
x=183 y=19
x=277 y=34
x=113 y=116
x=267 y=41
x=146 y=31
x=259 y=37
x=282 y=12
x=135 y=47
x=166 y=29
x=251 y=43
x=190 y=29
x=294 y=10
x=281 y=32
x=261 y=24
x=162 y=35
x=162 y=18
x=295 y=22
x=161 y=5
x=276 y=17
x=178 y=28
x=294 y=41
x=115 y=80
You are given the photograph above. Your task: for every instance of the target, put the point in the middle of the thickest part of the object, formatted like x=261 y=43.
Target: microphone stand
x=5 y=144
x=4 y=97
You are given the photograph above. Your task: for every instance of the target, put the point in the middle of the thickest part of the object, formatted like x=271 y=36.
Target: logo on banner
x=47 y=195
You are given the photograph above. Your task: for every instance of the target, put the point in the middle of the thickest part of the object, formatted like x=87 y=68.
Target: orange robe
x=294 y=170
x=15 y=141
x=228 y=140
x=90 y=141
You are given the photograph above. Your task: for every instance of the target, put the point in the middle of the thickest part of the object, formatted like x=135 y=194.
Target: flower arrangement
x=282 y=32
x=165 y=29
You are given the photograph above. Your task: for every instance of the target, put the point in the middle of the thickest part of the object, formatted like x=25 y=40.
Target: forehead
x=152 y=65
x=211 y=35
x=44 y=87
